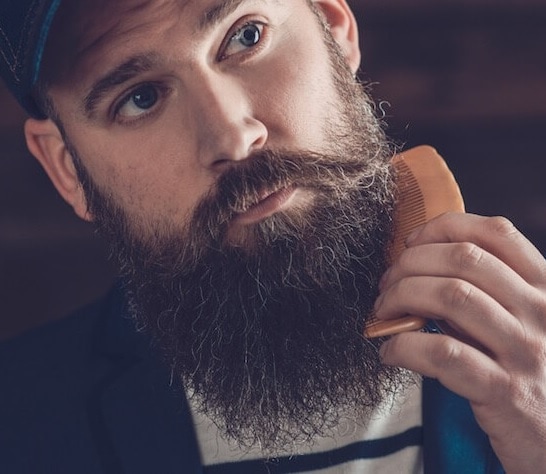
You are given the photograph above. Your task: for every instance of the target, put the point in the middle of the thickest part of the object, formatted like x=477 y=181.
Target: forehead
x=86 y=30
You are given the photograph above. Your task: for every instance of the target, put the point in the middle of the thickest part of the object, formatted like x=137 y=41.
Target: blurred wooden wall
x=467 y=76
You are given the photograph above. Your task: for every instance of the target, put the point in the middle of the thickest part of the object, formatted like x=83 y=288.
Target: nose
x=228 y=128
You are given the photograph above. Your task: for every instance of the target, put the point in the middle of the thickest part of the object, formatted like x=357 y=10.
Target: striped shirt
x=391 y=442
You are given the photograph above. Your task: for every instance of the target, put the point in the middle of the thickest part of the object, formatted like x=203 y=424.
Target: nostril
x=232 y=141
x=223 y=162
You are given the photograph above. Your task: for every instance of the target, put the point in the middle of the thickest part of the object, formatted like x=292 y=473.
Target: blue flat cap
x=24 y=26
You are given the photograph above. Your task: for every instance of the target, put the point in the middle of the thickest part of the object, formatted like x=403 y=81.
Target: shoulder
x=65 y=340
x=52 y=364
x=45 y=380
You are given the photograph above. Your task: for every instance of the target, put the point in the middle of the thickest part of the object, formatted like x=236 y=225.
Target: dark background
x=466 y=76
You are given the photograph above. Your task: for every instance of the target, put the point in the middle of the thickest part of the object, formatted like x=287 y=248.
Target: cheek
x=150 y=177
x=300 y=94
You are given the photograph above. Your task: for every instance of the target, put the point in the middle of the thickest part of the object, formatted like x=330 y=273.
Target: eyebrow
x=144 y=62
x=120 y=74
x=217 y=13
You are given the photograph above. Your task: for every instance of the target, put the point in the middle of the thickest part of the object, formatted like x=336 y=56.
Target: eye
x=247 y=37
x=138 y=102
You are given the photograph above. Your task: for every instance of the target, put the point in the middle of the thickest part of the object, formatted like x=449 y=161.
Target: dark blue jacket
x=87 y=395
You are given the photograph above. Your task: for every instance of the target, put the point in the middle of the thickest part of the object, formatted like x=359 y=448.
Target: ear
x=343 y=26
x=45 y=142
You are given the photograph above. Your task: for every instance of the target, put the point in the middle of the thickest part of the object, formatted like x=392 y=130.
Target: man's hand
x=486 y=285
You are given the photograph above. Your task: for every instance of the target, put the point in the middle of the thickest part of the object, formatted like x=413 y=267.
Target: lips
x=270 y=204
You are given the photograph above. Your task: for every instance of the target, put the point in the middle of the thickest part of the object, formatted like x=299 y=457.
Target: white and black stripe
x=390 y=442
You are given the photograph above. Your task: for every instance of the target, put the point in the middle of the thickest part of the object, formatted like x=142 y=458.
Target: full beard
x=265 y=331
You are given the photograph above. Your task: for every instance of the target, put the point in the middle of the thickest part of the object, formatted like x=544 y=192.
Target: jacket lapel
x=140 y=422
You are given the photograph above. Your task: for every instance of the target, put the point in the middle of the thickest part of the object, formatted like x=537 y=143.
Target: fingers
x=488 y=282
x=459 y=367
x=466 y=263
x=496 y=235
x=472 y=312
x=460 y=269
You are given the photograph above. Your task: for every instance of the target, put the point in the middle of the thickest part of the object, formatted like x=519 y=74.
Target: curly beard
x=265 y=330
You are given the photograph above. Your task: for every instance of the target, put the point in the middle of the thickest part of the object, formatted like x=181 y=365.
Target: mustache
x=247 y=182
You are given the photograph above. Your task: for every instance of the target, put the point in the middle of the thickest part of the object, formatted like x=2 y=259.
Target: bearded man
x=226 y=151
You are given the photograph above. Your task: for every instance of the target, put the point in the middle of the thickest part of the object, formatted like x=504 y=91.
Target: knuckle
x=468 y=256
x=536 y=303
x=447 y=354
x=457 y=294
x=522 y=393
x=500 y=226
x=496 y=385
x=531 y=353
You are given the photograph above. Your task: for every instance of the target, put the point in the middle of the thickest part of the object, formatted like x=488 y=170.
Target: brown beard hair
x=265 y=336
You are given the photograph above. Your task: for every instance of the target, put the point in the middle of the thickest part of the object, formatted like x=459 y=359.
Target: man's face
x=160 y=104
x=243 y=181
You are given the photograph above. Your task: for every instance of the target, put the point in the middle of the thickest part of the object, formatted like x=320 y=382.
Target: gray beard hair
x=266 y=335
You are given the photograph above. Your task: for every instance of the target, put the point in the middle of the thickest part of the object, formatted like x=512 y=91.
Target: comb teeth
x=410 y=211
x=426 y=189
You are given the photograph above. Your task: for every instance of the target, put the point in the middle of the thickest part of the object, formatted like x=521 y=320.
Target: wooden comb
x=426 y=188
